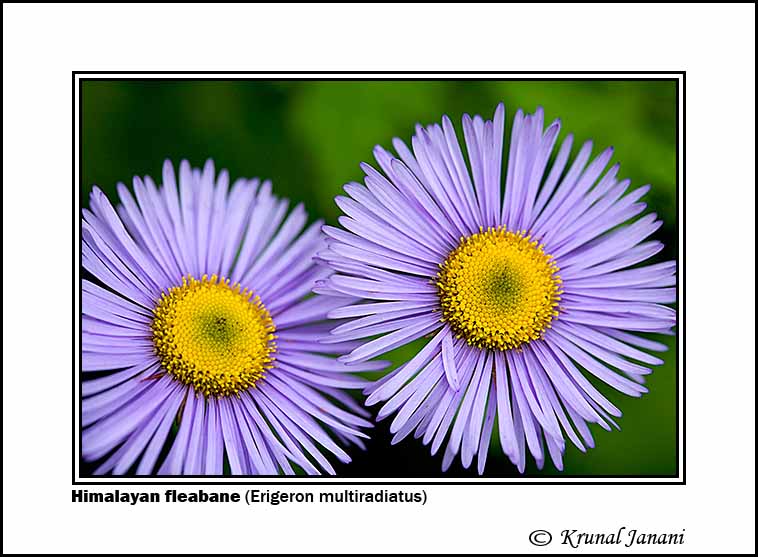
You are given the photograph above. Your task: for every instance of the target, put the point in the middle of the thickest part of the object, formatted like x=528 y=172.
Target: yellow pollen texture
x=499 y=289
x=213 y=336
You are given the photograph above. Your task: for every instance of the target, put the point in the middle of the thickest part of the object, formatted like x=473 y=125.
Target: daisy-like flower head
x=200 y=340
x=522 y=288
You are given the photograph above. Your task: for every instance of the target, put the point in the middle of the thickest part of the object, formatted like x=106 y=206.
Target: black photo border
x=79 y=77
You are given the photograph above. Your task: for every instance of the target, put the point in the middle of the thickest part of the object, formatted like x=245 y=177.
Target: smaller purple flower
x=522 y=289
x=200 y=338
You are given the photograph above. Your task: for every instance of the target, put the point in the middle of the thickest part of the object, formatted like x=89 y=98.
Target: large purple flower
x=204 y=312
x=523 y=289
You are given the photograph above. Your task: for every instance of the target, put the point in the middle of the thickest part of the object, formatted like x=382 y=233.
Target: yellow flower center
x=499 y=289
x=213 y=336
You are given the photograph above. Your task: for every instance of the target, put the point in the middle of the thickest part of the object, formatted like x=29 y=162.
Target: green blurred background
x=309 y=138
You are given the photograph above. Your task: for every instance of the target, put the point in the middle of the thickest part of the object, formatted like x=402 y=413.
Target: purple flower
x=522 y=291
x=203 y=309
